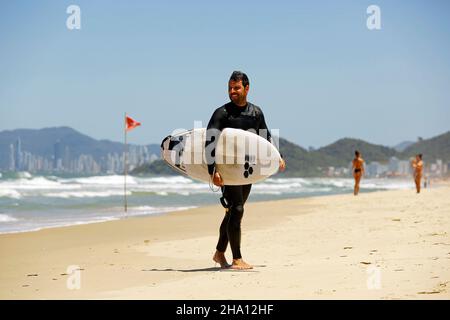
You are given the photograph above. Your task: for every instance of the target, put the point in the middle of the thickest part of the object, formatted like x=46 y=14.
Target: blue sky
x=315 y=69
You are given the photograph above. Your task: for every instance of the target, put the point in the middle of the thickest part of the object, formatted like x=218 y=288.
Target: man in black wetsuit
x=238 y=114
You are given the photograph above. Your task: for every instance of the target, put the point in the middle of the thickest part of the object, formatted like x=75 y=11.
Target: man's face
x=237 y=92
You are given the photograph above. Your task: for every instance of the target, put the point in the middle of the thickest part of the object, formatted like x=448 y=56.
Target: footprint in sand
x=429 y=292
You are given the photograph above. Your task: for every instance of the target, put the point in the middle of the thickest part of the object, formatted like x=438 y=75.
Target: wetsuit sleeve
x=266 y=134
x=215 y=126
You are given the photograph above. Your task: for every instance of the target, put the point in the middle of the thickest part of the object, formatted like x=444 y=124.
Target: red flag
x=131 y=123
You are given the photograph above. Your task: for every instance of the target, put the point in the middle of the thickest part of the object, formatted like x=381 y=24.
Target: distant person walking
x=417 y=165
x=358 y=170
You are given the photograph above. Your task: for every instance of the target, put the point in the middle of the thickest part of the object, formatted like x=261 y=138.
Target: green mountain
x=338 y=154
x=341 y=152
x=300 y=162
x=303 y=163
x=432 y=149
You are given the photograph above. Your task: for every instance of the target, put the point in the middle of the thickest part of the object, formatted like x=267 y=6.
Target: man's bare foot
x=219 y=257
x=240 y=264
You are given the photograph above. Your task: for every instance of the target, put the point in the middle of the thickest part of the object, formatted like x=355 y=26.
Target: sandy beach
x=380 y=245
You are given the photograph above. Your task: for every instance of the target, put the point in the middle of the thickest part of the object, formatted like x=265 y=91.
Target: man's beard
x=237 y=99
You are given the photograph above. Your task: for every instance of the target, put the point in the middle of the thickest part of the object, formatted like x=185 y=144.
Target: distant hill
x=304 y=163
x=341 y=152
x=402 y=146
x=434 y=148
x=300 y=161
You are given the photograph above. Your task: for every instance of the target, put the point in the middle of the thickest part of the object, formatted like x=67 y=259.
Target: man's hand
x=217 y=180
x=282 y=165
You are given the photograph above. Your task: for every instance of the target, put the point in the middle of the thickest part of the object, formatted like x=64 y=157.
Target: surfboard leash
x=223 y=200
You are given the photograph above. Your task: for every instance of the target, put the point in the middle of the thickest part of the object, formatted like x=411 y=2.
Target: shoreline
x=140 y=215
x=307 y=248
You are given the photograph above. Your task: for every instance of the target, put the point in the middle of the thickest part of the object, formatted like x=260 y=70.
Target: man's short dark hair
x=420 y=156
x=357 y=153
x=240 y=76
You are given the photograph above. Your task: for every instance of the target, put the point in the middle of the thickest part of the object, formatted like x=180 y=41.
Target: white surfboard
x=241 y=157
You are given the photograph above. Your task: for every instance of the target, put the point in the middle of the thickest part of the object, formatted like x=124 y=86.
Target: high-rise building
x=376 y=169
x=58 y=154
x=66 y=158
x=393 y=165
x=12 y=162
x=18 y=155
x=440 y=166
x=404 y=167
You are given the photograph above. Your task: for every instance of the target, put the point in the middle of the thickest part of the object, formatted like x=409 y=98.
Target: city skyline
x=316 y=69
x=61 y=160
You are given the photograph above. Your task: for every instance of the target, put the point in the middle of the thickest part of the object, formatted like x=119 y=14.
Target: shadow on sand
x=204 y=269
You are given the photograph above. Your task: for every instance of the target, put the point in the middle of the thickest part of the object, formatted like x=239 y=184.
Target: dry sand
x=381 y=245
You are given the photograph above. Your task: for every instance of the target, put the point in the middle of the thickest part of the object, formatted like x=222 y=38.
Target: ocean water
x=30 y=202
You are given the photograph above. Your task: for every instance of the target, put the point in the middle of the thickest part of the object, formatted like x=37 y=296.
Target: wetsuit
x=245 y=118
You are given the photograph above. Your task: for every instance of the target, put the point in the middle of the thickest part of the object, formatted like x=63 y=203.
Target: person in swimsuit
x=238 y=114
x=417 y=165
x=358 y=170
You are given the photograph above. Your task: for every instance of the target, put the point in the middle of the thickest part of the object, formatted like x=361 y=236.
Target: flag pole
x=125 y=160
